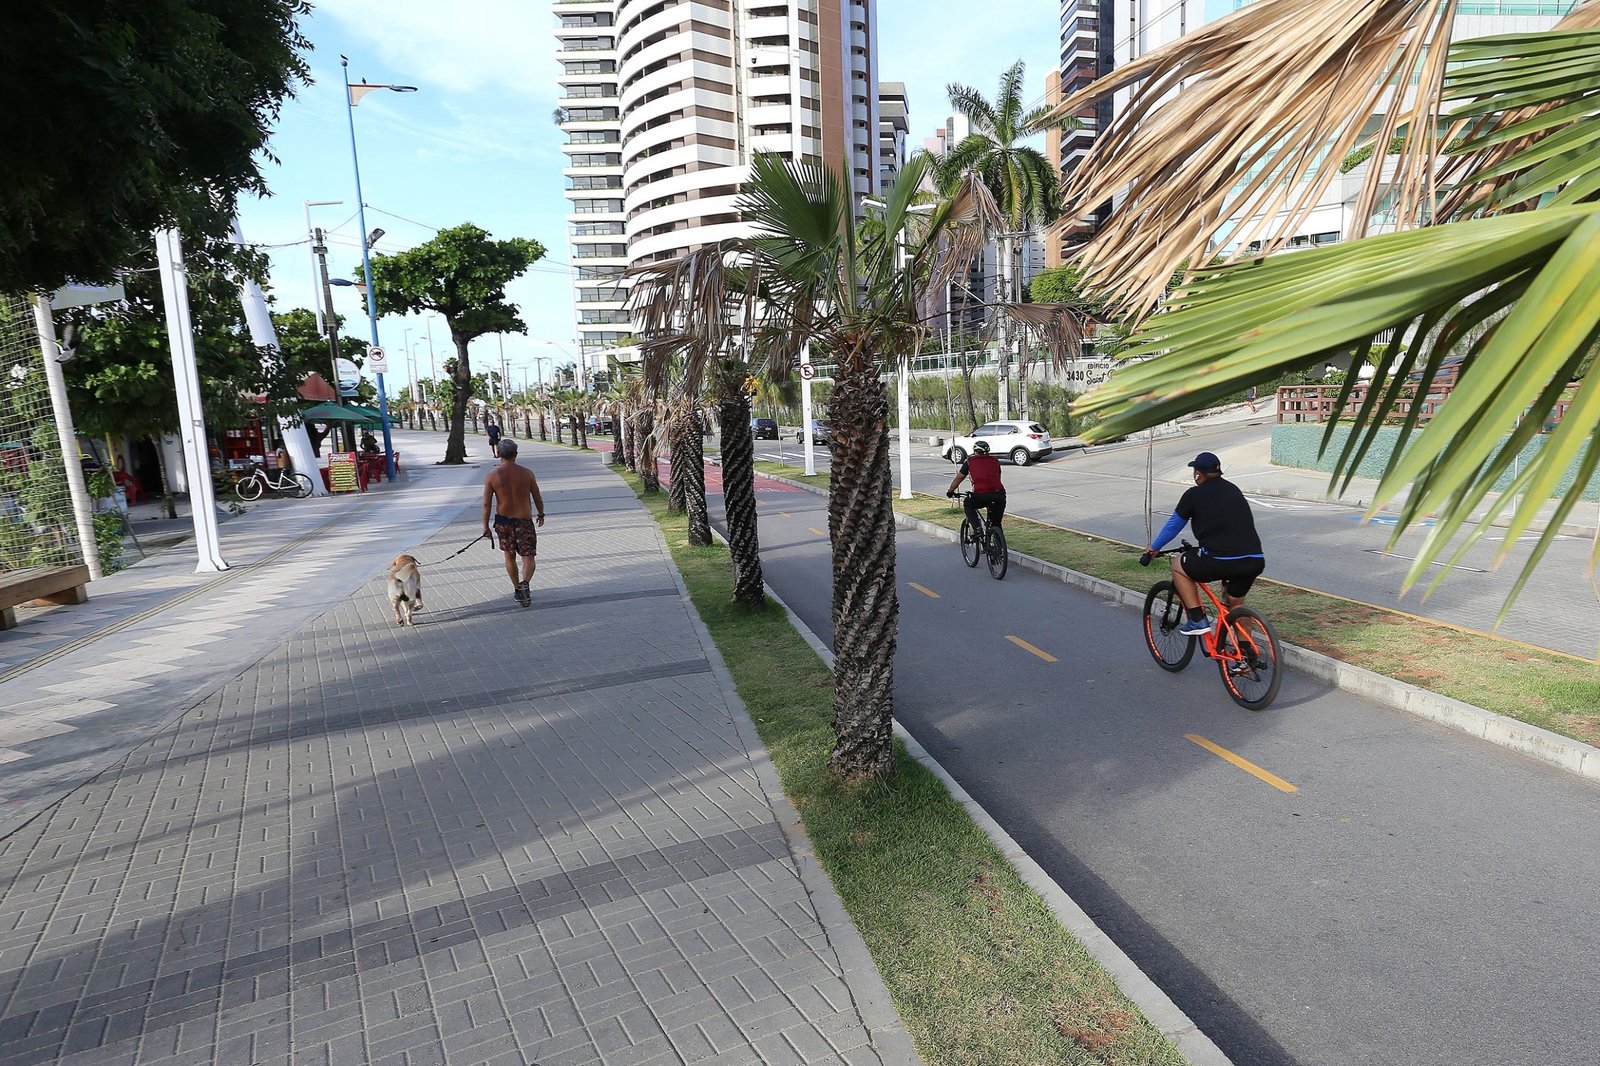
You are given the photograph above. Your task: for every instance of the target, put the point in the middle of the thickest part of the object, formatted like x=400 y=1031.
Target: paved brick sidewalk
x=511 y=836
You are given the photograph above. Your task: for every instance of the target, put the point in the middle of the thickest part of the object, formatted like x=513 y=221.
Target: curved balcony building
x=664 y=102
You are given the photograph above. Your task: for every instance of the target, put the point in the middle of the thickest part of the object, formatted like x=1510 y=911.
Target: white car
x=1021 y=442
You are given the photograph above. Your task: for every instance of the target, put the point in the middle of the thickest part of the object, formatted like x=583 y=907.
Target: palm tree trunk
x=866 y=605
x=649 y=472
x=689 y=472
x=455 y=449
x=632 y=451
x=677 y=458
x=739 y=499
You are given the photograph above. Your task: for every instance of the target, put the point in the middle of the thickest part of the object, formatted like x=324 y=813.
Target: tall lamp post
x=904 y=405
x=352 y=97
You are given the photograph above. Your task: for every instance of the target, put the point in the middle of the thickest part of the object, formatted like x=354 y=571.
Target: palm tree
x=1020 y=178
x=1495 y=182
x=814 y=273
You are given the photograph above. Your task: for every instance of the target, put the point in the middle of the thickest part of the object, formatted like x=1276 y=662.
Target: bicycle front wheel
x=999 y=558
x=1252 y=678
x=970 y=548
x=1163 y=614
x=248 y=488
x=302 y=487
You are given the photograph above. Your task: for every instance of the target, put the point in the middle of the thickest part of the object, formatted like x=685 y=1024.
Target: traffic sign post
x=378 y=360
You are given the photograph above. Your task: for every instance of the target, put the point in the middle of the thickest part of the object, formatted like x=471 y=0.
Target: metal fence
x=36 y=520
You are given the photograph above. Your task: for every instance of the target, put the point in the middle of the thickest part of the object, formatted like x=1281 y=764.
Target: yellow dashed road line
x=1242 y=763
x=925 y=590
x=1025 y=646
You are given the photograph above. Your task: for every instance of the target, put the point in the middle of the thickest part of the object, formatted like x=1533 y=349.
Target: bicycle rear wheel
x=302 y=487
x=1252 y=680
x=1163 y=614
x=995 y=550
x=970 y=548
x=248 y=488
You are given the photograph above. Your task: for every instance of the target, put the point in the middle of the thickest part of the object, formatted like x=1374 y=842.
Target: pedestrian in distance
x=1229 y=550
x=491 y=429
x=511 y=494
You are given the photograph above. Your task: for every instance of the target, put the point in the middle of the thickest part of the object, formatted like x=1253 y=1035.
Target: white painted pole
x=191 y=415
x=805 y=408
x=905 y=389
x=56 y=383
x=264 y=335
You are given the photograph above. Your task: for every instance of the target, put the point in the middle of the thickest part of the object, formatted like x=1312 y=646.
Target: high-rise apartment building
x=664 y=103
x=894 y=127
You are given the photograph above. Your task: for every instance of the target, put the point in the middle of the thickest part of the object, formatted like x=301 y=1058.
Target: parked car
x=1021 y=442
x=764 y=429
x=600 y=424
x=819 y=433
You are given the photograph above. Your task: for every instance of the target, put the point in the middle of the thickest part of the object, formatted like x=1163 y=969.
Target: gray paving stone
x=334 y=841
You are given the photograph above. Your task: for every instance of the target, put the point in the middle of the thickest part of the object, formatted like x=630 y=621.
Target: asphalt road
x=1317 y=545
x=1420 y=897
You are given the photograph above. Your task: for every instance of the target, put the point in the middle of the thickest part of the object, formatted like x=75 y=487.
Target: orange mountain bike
x=1241 y=642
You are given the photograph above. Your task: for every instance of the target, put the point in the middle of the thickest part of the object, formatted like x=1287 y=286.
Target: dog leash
x=469 y=544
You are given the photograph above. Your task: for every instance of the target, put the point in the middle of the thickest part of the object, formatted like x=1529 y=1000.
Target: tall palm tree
x=814 y=273
x=686 y=491
x=1020 y=178
x=1496 y=259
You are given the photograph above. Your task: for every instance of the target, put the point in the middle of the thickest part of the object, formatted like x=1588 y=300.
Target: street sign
x=808 y=371
x=378 y=360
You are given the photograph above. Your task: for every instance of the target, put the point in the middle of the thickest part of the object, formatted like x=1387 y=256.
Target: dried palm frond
x=1059 y=328
x=1237 y=121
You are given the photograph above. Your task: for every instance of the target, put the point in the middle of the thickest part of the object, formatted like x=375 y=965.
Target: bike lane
x=1417 y=897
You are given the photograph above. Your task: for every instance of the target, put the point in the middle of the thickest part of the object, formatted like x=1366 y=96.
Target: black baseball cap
x=1207 y=463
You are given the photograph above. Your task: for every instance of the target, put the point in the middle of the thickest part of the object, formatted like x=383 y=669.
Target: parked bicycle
x=282 y=482
x=1241 y=641
x=985 y=541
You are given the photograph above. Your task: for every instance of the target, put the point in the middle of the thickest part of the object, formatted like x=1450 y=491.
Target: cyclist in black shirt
x=1229 y=549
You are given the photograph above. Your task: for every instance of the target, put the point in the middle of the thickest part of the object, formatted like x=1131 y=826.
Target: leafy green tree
x=120 y=118
x=461 y=274
x=1019 y=176
x=1495 y=264
x=120 y=377
x=304 y=350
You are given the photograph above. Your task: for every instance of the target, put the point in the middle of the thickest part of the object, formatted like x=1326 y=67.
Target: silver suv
x=1021 y=442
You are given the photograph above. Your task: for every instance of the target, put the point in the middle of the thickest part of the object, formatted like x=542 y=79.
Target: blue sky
x=476 y=143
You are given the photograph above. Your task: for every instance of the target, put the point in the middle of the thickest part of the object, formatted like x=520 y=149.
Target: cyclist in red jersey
x=987 y=490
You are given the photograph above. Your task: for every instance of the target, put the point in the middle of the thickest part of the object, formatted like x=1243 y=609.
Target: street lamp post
x=904 y=406
x=352 y=96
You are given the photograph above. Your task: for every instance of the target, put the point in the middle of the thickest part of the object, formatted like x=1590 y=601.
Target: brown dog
x=405 y=588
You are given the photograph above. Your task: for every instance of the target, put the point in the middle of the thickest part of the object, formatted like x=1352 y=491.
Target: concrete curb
x=1529 y=740
x=890 y=1040
x=1153 y=1003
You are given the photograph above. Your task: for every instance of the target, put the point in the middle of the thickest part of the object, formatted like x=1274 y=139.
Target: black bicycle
x=984 y=541
x=253 y=484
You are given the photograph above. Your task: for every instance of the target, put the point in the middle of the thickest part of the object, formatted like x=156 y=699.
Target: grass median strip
x=979 y=968
x=1558 y=692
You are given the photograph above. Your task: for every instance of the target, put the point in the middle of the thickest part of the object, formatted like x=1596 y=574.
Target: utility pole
x=320 y=248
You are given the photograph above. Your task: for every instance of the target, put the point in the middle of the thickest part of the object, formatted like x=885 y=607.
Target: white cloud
x=463 y=46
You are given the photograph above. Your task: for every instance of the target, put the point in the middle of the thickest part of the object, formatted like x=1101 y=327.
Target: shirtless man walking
x=513 y=492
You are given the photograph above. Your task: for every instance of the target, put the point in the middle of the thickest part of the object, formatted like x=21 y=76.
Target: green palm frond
x=1530 y=118
x=1532 y=277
